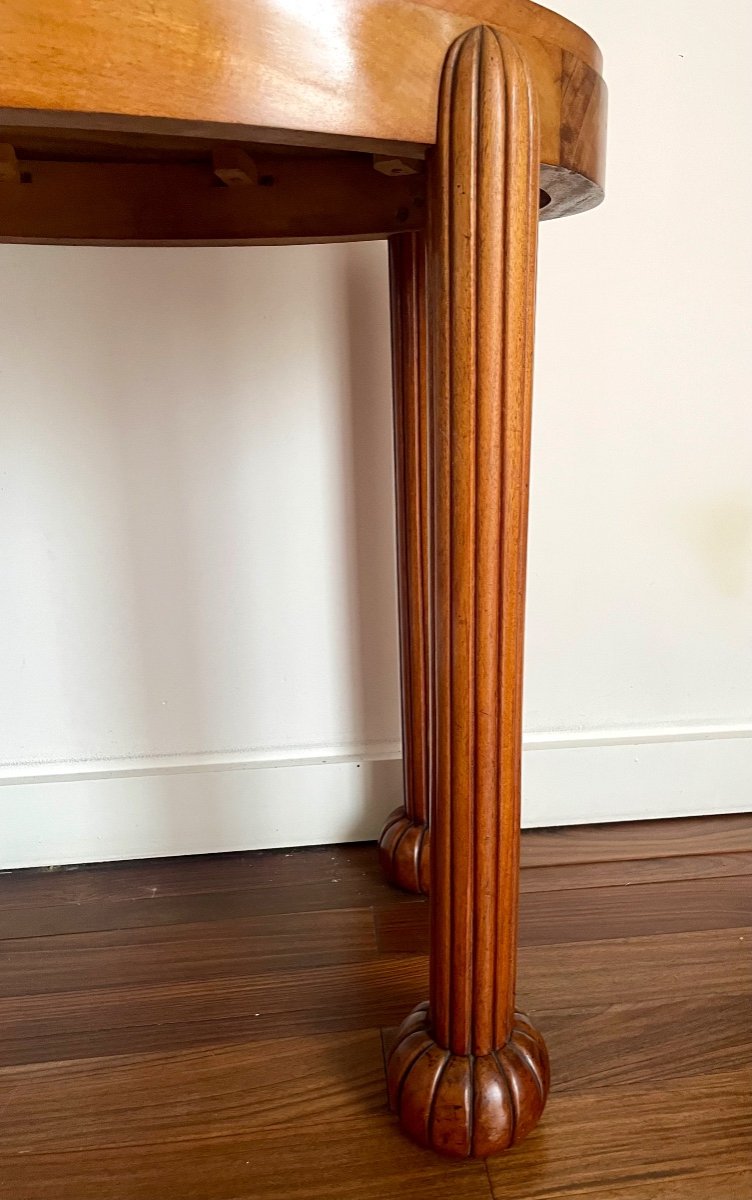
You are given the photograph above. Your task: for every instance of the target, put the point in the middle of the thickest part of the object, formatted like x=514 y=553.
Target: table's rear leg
x=403 y=846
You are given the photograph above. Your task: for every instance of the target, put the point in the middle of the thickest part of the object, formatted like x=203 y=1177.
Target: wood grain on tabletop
x=114 y=66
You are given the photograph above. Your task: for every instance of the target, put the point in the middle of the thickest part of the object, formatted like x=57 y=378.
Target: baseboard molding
x=60 y=813
x=268 y=757
x=259 y=759
x=100 y=820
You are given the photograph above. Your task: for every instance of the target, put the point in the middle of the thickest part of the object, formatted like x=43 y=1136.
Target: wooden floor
x=213 y=1028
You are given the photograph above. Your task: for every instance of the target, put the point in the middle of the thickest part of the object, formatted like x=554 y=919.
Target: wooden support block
x=387 y=164
x=10 y=171
x=234 y=167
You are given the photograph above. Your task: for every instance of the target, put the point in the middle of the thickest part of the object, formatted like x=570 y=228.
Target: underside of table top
x=257 y=121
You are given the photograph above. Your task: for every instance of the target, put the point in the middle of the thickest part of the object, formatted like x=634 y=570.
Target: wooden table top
x=114 y=83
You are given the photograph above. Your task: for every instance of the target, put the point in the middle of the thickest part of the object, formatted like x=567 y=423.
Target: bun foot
x=467 y=1105
x=404 y=852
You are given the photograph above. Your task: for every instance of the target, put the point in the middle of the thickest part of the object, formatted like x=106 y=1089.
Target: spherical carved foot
x=467 y=1105
x=404 y=851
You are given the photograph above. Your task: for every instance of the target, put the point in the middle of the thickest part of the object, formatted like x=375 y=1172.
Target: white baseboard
x=62 y=813
x=198 y=812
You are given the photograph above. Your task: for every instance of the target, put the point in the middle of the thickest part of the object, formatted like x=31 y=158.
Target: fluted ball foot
x=404 y=852
x=467 y=1105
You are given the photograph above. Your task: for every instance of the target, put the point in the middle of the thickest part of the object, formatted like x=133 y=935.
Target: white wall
x=197 y=609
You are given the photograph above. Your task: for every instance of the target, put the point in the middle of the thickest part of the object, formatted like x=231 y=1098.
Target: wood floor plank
x=140 y=1099
x=706 y=1183
x=675 y=907
x=647 y=1044
x=144 y=1017
x=174 y=910
x=302 y=1117
x=288 y=875
x=334 y=1162
x=618 y=1137
x=166 y=908
x=576 y=876
x=190 y=952
x=637 y=839
x=293 y=879
x=183 y=1031
x=643 y=1044
x=221 y=1116
x=646 y=970
x=586 y=914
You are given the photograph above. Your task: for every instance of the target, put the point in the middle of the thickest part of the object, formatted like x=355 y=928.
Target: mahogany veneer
x=448 y=126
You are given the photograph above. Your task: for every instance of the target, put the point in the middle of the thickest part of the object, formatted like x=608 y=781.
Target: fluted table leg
x=404 y=842
x=468 y=1074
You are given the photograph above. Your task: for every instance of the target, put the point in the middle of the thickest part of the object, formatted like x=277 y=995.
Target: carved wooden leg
x=469 y=1075
x=403 y=845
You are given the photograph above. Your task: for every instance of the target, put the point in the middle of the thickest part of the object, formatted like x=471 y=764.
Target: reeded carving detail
x=404 y=852
x=467 y=1105
x=482 y=231
x=470 y=1075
